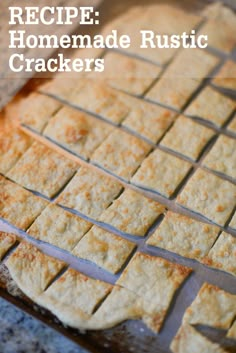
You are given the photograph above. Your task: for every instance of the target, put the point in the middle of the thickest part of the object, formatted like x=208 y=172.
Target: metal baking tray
x=130 y=336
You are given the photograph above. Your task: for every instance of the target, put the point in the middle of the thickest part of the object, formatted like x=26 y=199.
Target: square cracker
x=6 y=242
x=212 y=307
x=36 y=110
x=187 y=137
x=182 y=77
x=222 y=157
x=223 y=254
x=188 y=339
x=121 y=154
x=43 y=170
x=210 y=196
x=97 y=97
x=132 y=75
x=59 y=227
x=155 y=281
x=161 y=172
x=89 y=192
x=104 y=249
x=232 y=331
x=212 y=106
x=31 y=269
x=78 y=132
x=146 y=119
x=226 y=77
x=232 y=125
x=184 y=236
x=17 y=205
x=164 y=19
x=13 y=144
x=73 y=297
x=132 y=213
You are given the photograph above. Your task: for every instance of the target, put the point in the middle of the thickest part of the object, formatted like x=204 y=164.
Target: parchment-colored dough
x=226 y=77
x=232 y=331
x=7 y=240
x=184 y=236
x=209 y=195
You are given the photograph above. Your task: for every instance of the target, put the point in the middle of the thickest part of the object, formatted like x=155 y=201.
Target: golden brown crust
x=7 y=240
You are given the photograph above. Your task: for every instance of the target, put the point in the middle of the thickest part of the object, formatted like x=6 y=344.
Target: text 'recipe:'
x=86 y=16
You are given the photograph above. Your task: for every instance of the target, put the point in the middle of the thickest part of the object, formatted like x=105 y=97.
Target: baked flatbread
x=212 y=307
x=189 y=340
x=212 y=106
x=232 y=124
x=132 y=213
x=222 y=157
x=17 y=205
x=133 y=76
x=7 y=240
x=233 y=222
x=223 y=254
x=32 y=270
x=184 y=236
x=104 y=249
x=43 y=170
x=121 y=154
x=210 y=196
x=232 y=331
x=155 y=280
x=36 y=110
x=59 y=227
x=78 y=132
x=89 y=192
x=226 y=77
x=187 y=137
x=161 y=172
x=13 y=144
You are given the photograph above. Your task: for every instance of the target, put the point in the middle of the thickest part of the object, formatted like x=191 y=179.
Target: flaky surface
x=17 y=205
x=187 y=137
x=7 y=240
x=52 y=170
x=73 y=297
x=222 y=157
x=89 y=192
x=209 y=195
x=78 y=132
x=121 y=154
x=212 y=307
x=132 y=213
x=36 y=110
x=104 y=249
x=211 y=106
x=97 y=97
x=161 y=172
x=134 y=76
x=184 y=236
x=31 y=269
x=149 y=120
x=59 y=227
x=155 y=280
x=226 y=77
x=223 y=254
x=13 y=144
x=189 y=340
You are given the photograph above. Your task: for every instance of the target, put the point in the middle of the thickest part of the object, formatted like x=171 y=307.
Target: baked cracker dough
x=209 y=195
x=121 y=154
x=7 y=240
x=223 y=254
x=212 y=307
x=161 y=172
x=232 y=331
x=104 y=249
x=59 y=227
x=232 y=125
x=17 y=205
x=184 y=236
x=226 y=77
x=187 y=137
x=89 y=192
x=132 y=213
x=51 y=168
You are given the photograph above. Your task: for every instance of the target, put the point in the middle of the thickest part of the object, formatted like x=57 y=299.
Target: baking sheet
x=131 y=336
